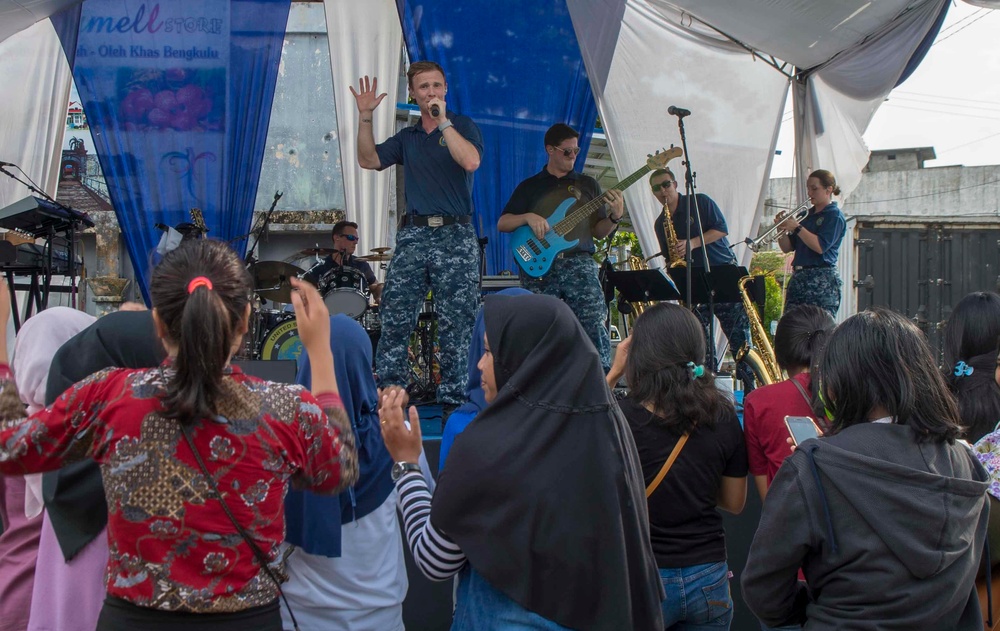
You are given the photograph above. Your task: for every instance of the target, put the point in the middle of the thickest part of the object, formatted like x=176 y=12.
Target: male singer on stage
x=731 y=315
x=573 y=277
x=345 y=242
x=436 y=244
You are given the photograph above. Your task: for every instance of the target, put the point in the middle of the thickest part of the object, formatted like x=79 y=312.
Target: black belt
x=573 y=253
x=801 y=267
x=435 y=221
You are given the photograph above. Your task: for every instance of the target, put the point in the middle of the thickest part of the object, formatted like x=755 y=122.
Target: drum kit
x=273 y=333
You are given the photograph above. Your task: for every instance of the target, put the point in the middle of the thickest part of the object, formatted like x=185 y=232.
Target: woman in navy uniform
x=816 y=243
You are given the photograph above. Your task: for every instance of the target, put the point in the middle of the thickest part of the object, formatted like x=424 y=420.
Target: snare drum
x=282 y=341
x=344 y=290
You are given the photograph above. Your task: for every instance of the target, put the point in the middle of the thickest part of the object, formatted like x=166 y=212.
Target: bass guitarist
x=573 y=276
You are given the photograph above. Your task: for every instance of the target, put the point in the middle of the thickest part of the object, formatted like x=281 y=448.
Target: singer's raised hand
x=367 y=96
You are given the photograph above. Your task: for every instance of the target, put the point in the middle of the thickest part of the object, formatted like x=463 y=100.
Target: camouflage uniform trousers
x=444 y=260
x=574 y=281
x=734 y=322
x=819 y=286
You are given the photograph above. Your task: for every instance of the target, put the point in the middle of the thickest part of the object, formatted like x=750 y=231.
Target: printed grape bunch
x=168 y=105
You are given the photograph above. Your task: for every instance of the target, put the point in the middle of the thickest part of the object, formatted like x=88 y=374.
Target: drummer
x=345 y=242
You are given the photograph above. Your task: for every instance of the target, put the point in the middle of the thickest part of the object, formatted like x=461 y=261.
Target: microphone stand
x=690 y=192
x=250 y=259
x=604 y=279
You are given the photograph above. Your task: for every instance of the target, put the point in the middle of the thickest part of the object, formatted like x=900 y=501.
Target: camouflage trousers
x=444 y=260
x=818 y=286
x=574 y=281
x=734 y=322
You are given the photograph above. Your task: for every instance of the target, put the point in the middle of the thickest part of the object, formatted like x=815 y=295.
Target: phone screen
x=801 y=428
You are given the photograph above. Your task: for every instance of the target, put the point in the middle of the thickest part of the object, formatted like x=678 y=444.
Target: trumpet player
x=816 y=242
x=663 y=185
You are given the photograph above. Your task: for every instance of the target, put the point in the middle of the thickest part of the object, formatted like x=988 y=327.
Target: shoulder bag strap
x=666 y=465
x=821 y=423
x=257 y=552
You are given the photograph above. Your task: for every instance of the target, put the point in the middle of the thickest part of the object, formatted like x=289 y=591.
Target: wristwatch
x=445 y=124
x=797 y=230
x=402 y=468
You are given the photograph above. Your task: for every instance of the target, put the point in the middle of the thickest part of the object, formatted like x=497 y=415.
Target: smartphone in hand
x=802 y=428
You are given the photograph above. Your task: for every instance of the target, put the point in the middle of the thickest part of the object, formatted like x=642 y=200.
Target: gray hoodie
x=888 y=532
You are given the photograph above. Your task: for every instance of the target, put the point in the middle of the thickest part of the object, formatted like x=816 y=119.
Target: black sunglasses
x=664 y=185
x=569 y=152
x=349 y=237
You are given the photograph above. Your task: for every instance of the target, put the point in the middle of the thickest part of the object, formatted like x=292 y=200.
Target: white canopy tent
x=731 y=65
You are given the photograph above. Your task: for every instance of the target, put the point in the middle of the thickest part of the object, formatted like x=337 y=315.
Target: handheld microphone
x=679 y=112
x=435 y=110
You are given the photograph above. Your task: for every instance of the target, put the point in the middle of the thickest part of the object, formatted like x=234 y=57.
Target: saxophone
x=635 y=263
x=757 y=353
x=673 y=259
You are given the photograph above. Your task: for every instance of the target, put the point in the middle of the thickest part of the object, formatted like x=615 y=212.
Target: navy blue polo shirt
x=434 y=183
x=719 y=252
x=543 y=192
x=829 y=225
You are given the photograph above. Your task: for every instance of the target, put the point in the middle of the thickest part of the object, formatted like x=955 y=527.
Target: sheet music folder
x=644 y=285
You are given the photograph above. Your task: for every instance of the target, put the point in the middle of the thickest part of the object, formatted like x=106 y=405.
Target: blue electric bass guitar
x=535 y=256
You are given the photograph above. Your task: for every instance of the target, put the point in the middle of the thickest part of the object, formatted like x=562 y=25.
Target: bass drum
x=344 y=291
x=282 y=341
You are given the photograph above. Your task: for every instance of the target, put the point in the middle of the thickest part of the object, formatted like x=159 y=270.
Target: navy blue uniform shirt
x=719 y=252
x=435 y=184
x=829 y=225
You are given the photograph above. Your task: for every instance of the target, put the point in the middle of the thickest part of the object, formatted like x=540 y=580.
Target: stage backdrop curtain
x=178 y=96
x=33 y=109
x=644 y=56
x=365 y=39
x=515 y=68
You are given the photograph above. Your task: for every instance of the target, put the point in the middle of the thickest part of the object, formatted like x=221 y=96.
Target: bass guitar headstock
x=660 y=159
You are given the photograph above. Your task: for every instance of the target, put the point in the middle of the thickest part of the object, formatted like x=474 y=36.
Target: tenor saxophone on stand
x=758 y=352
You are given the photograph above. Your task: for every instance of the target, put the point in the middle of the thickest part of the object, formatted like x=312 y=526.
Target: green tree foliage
x=772 y=264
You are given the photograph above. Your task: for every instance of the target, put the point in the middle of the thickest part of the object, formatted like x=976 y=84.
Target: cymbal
x=317 y=251
x=381 y=249
x=270 y=280
x=380 y=257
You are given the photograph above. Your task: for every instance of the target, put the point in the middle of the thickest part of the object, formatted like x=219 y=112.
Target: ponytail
x=200 y=292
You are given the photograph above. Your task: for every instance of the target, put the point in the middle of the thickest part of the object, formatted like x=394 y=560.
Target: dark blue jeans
x=698 y=597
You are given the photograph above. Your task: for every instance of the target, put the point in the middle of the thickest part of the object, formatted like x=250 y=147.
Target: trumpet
x=774 y=232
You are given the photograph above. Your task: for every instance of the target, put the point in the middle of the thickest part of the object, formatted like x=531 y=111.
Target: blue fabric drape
x=515 y=68
x=178 y=97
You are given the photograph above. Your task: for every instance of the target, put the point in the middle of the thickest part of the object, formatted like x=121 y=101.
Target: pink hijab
x=35 y=346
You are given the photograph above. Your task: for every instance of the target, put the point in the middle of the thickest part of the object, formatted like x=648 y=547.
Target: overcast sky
x=951 y=102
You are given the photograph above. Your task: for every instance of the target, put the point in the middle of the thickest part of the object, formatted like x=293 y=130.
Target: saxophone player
x=731 y=316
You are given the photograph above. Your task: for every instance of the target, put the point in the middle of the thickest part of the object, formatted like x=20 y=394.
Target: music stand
x=719 y=285
x=644 y=285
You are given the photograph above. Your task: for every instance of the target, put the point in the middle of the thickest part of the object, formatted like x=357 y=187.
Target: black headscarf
x=74 y=495
x=543 y=491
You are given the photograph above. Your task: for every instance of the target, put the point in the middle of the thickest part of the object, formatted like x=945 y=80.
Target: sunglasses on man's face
x=349 y=237
x=569 y=152
x=662 y=185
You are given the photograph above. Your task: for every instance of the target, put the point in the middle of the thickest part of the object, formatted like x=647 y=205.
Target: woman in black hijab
x=541 y=506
